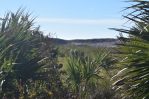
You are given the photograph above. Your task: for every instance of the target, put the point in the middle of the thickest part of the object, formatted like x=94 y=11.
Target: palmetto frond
x=84 y=72
x=134 y=52
x=25 y=54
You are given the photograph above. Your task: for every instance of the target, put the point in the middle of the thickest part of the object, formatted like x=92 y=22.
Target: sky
x=72 y=19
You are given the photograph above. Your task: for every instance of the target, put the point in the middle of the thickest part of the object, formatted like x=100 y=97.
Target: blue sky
x=73 y=19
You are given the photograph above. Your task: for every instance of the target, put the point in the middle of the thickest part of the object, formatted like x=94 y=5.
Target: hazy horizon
x=82 y=38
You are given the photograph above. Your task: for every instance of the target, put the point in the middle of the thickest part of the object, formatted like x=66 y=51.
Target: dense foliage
x=28 y=65
x=133 y=79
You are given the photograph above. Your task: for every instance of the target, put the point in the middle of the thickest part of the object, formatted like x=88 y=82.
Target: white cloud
x=81 y=21
x=68 y=28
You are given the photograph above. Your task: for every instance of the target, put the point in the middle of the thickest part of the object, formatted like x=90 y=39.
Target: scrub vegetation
x=33 y=67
